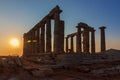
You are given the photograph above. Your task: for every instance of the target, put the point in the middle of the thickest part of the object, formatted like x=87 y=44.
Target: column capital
x=66 y=37
x=82 y=25
x=92 y=29
x=102 y=27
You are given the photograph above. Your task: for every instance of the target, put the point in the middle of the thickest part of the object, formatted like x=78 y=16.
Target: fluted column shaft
x=24 y=44
x=38 y=40
x=56 y=33
x=48 y=36
x=66 y=44
x=86 y=40
x=93 y=41
x=42 y=43
x=78 y=42
x=71 y=43
x=61 y=35
x=103 y=44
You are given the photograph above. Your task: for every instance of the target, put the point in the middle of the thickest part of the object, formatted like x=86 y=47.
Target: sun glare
x=14 y=42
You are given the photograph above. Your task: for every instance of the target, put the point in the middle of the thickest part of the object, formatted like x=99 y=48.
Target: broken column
x=78 y=40
x=103 y=44
x=48 y=36
x=42 y=38
x=92 y=40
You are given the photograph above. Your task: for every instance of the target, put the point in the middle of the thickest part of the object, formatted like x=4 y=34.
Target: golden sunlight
x=14 y=42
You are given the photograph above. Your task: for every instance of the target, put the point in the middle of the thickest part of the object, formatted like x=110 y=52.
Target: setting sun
x=14 y=42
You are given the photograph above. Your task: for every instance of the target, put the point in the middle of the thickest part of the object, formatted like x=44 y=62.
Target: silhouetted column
x=93 y=40
x=42 y=43
x=24 y=44
x=48 y=36
x=66 y=44
x=71 y=43
x=56 y=33
x=28 y=43
x=103 y=44
x=86 y=40
x=61 y=35
x=78 y=40
x=38 y=40
x=33 y=43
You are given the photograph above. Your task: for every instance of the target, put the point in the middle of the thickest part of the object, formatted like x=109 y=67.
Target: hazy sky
x=19 y=16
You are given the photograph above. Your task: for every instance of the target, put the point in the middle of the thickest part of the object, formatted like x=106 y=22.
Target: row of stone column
x=38 y=39
x=83 y=33
x=70 y=36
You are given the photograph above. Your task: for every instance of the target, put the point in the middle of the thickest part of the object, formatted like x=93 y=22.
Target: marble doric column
x=61 y=34
x=103 y=44
x=56 y=33
x=28 y=43
x=42 y=39
x=86 y=40
x=66 y=44
x=92 y=40
x=48 y=36
x=78 y=40
x=33 y=43
x=38 y=40
x=24 y=44
x=71 y=44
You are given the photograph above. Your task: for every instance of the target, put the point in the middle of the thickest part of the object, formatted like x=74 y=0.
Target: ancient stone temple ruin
x=83 y=31
x=39 y=39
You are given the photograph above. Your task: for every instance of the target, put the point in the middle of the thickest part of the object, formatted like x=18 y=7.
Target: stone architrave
x=103 y=44
x=48 y=36
x=42 y=39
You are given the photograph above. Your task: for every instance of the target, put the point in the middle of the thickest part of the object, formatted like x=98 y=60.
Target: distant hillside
x=113 y=51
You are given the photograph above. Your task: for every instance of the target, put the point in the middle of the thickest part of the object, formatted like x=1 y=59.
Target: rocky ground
x=109 y=71
x=16 y=68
